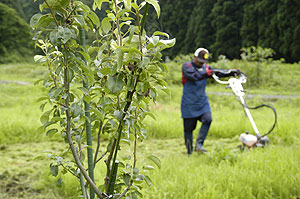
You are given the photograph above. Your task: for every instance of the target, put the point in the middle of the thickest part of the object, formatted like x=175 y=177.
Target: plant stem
x=133 y=167
x=87 y=110
x=52 y=13
x=98 y=143
x=144 y=18
x=69 y=137
x=118 y=24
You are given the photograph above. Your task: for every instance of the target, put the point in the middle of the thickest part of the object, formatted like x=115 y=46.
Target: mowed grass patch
x=24 y=171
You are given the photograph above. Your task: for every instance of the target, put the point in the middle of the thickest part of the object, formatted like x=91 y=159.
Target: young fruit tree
x=99 y=93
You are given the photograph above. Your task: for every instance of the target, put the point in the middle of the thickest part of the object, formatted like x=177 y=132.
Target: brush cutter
x=235 y=84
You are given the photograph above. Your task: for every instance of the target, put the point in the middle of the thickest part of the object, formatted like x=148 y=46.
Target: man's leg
x=189 y=125
x=206 y=120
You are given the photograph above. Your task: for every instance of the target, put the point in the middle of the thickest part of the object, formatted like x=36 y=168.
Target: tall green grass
x=268 y=173
x=19 y=118
x=26 y=72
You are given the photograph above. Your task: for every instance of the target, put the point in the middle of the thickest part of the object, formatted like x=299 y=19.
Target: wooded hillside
x=222 y=26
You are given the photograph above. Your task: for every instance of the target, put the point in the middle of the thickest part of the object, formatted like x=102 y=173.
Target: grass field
x=225 y=172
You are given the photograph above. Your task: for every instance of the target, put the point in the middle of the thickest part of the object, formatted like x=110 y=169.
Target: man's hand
x=237 y=72
x=209 y=72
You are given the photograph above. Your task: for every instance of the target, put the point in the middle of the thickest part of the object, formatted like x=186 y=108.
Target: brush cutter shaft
x=248 y=114
x=237 y=88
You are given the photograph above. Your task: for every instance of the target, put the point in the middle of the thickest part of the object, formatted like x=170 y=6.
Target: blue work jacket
x=194 y=101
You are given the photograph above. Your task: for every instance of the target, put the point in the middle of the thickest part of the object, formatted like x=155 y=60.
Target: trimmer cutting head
x=253 y=141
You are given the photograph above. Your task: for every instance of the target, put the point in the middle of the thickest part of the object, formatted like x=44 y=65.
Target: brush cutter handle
x=218 y=80
x=242 y=77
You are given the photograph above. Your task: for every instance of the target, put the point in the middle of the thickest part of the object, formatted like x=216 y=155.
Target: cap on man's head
x=201 y=55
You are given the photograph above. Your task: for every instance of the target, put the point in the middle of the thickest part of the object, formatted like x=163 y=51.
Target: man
x=194 y=103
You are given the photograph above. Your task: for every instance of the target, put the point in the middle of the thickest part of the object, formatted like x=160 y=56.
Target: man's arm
x=194 y=74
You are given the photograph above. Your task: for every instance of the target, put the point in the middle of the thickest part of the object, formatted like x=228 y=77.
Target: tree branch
x=133 y=167
x=52 y=13
x=98 y=143
x=70 y=141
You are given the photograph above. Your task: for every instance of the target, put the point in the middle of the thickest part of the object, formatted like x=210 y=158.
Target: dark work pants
x=189 y=125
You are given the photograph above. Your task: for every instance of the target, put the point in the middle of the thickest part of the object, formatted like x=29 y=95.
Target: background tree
x=226 y=24
x=15 y=38
x=174 y=21
x=200 y=31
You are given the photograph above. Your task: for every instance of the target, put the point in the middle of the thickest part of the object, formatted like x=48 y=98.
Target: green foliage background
x=15 y=37
x=223 y=26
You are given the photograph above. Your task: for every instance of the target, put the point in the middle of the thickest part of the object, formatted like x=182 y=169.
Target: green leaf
x=45 y=21
x=56 y=92
x=155 y=160
x=60 y=32
x=169 y=42
x=136 y=171
x=131 y=33
x=126 y=179
x=162 y=83
x=105 y=71
x=48 y=124
x=34 y=20
x=135 y=6
x=160 y=33
x=54 y=169
x=87 y=99
x=106 y=26
x=145 y=62
x=126 y=141
x=75 y=109
x=59 y=182
x=148 y=167
x=127 y=4
x=119 y=57
x=39 y=58
x=148 y=181
x=70 y=74
x=84 y=90
x=97 y=112
x=116 y=83
x=151 y=115
x=167 y=91
x=80 y=20
x=53 y=36
x=67 y=35
x=51 y=132
x=101 y=49
x=95 y=5
x=94 y=18
x=86 y=56
x=45 y=117
x=99 y=3
x=156 y=6
x=42 y=98
x=42 y=106
x=56 y=119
